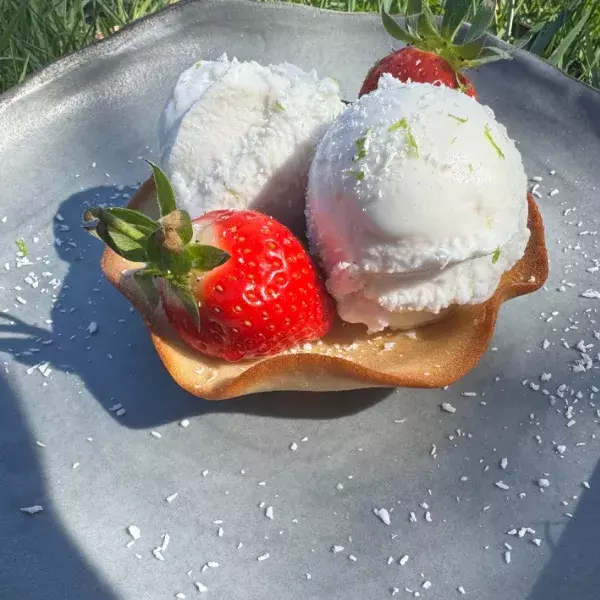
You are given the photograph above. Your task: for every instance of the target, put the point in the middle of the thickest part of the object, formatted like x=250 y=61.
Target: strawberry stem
x=115 y=222
x=165 y=246
x=421 y=30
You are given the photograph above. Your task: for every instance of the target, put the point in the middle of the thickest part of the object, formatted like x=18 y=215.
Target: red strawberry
x=266 y=298
x=233 y=284
x=433 y=56
x=418 y=66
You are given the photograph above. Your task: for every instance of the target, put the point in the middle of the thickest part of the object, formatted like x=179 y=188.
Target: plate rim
x=69 y=62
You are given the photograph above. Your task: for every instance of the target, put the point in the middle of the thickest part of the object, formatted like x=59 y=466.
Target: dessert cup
x=347 y=358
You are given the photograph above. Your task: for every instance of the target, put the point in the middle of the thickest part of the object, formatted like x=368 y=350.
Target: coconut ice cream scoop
x=417 y=201
x=242 y=135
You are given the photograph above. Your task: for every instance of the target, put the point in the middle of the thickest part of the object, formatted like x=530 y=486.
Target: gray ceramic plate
x=66 y=138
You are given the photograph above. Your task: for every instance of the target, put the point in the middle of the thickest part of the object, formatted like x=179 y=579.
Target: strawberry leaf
x=145 y=280
x=411 y=23
x=121 y=244
x=455 y=12
x=414 y=8
x=469 y=51
x=185 y=231
x=186 y=297
x=164 y=191
x=427 y=27
x=491 y=54
x=207 y=258
x=134 y=217
x=395 y=30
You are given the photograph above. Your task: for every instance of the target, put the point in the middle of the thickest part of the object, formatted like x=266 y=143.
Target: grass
x=35 y=32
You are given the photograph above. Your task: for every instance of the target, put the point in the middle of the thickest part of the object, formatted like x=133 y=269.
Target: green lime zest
x=360 y=143
x=492 y=141
x=401 y=124
x=461 y=120
x=413 y=147
x=279 y=106
x=471 y=169
x=198 y=64
x=231 y=191
x=453 y=140
x=360 y=175
x=22 y=246
x=496 y=255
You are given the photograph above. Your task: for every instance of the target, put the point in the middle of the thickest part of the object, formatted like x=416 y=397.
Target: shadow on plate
x=588 y=102
x=573 y=570
x=37 y=559
x=118 y=364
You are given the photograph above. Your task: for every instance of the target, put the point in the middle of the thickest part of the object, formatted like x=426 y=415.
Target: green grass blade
x=24 y=69
x=34 y=32
x=547 y=35
x=556 y=58
x=413 y=7
x=482 y=20
x=455 y=12
x=10 y=28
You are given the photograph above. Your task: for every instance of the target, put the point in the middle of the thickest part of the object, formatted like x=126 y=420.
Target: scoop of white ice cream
x=242 y=135
x=417 y=201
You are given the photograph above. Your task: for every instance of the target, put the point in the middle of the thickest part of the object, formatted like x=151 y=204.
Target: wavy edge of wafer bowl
x=347 y=358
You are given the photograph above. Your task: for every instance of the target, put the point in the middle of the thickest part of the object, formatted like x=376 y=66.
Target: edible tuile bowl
x=347 y=358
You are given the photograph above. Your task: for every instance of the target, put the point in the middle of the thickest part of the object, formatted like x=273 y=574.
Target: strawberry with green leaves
x=433 y=54
x=233 y=284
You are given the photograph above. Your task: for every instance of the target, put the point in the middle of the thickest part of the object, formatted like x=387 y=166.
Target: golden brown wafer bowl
x=347 y=358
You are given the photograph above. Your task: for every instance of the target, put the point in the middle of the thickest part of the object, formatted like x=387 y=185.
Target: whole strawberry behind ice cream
x=433 y=55
x=233 y=284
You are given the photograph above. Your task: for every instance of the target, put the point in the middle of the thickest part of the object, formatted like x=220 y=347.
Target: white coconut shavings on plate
x=32 y=510
x=158 y=554
x=262 y=557
x=566 y=346
x=383 y=515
